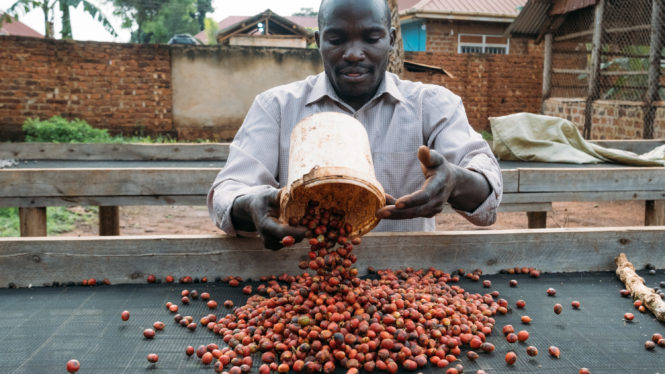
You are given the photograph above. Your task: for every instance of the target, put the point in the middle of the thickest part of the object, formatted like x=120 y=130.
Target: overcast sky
x=85 y=28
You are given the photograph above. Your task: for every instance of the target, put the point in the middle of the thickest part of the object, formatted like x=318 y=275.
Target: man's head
x=354 y=39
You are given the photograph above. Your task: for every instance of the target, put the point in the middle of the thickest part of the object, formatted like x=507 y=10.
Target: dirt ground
x=163 y=220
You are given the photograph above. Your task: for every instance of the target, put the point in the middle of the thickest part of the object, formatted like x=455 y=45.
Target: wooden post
x=32 y=221
x=594 y=69
x=109 y=221
x=537 y=220
x=654 y=213
x=547 y=71
x=654 y=68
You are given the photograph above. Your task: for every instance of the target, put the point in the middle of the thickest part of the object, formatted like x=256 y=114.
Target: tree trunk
x=66 y=32
x=48 y=25
x=396 y=62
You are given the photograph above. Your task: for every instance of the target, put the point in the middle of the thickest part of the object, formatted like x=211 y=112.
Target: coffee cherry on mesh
x=575 y=304
x=558 y=308
x=169 y=279
x=173 y=308
x=526 y=320
x=642 y=309
x=656 y=337
x=512 y=283
x=532 y=351
x=511 y=358
x=205 y=296
x=158 y=325
x=511 y=337
x=471 y=355
x=206 y=359
x=661 y=343
x=149 y=333
x=520 y=304
x=551 y=292
x=247 y=290
x=189 y=350
x=628 y=316
x=184 y=300
x=487 y=283
x=234 y=283
x=124 y=315
x=487 y=347
x=624 y=292
x=192 y=326
x=554 y=351
x=649 y=345
x=534 y=273
x=152 y=357
x=151 y=278
x=73 y=366
x=584 y=371
x=523 y=335
x=212 y=304
x=507 y=329
x=228 y=304
x=288 y=241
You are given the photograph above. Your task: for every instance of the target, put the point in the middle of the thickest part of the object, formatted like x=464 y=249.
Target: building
x=17 y=28
x=461 y=26
x=266 y=29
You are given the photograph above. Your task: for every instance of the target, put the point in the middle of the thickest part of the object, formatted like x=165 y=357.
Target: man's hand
x=442 y=180
x=260 y=212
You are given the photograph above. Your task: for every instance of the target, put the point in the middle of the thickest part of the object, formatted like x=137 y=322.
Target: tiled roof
x=18 y=28
x=304 y=21
x=480 y=7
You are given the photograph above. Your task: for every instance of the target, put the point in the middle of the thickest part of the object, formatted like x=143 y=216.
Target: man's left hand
x=440 y=180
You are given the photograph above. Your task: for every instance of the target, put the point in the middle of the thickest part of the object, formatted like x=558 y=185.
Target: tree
x=49 y=10
x=306 y=12
x=174 y=17
x=396 y=61
x=211 y=28
x=156 y=21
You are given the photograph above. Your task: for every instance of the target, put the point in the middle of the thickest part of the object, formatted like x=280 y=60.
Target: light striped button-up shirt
x=402 y=116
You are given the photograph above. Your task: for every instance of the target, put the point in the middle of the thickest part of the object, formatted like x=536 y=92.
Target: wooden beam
x=32 y=221
x=654 y=213
x=589 y=180
x=117 y=152
x=540 y=197
x=536 y=220
x=654 y=68
x=37 y=201
x=127 y=259
x=109 y=220
x=592 y=93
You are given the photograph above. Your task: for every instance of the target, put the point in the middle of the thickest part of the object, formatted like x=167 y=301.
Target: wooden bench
x=109 y=176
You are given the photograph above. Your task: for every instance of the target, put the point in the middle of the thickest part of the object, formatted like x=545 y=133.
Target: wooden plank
x=656 y=45
x=547 y=71
x=120 y=152
x=594 y=68
x=597 y=179
x=32 y=221
x=510 y=180
x=636 y=146
x=503 y=207
x=535 y=197
x=8 y=202
x=96 y=182
x=127 y=259
x=109 y=220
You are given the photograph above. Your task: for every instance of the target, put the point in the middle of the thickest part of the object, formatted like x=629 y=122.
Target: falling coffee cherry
x=124 y=315
x=152 y=357
x=288 y=241
x=558 y=308
x=554 y=351
x=73 y=366
x=511 y=358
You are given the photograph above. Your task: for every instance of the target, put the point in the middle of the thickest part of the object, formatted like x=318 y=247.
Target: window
x=490 y=44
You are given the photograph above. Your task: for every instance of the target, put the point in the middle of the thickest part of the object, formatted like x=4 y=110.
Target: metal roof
x=530 y=21
x=482 y=8
x=15 y=27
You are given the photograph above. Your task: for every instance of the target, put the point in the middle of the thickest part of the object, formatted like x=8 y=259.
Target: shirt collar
x=322 y=87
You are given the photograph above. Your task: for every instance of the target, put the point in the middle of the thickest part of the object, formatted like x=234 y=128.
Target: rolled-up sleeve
x=251 y=167
x=451 y=134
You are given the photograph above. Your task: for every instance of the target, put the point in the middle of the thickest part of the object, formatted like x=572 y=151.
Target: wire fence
x=613 y=51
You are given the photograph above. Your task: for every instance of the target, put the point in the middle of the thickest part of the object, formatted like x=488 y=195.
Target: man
x=419 y=134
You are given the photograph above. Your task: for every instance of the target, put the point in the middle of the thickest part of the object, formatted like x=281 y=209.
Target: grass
x=59 y=219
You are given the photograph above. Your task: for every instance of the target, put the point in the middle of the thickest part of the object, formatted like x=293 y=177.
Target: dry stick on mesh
x=635 y=284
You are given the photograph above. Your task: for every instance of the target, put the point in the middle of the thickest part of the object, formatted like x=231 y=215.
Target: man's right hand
x=260 y=212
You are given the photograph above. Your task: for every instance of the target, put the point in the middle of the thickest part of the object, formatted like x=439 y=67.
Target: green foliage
x=307 y=12
x=211 y=29
x=486 y=135
x=59 y=130
x=58 y=219
x=174 y=17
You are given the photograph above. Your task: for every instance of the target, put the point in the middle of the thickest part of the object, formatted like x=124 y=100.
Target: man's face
x=354 y=42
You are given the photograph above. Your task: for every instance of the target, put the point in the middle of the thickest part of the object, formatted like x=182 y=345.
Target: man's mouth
x=354 y=75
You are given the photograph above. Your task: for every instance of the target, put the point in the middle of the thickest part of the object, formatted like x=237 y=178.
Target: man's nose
x=354 y=52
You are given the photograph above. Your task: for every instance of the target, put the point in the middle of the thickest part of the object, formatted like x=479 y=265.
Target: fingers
x=429 y=158
x=429 y=209
x=273 y=232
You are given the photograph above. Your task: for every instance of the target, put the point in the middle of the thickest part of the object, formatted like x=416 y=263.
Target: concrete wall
x=611 y=119
x=268 y=41
x=213 y=87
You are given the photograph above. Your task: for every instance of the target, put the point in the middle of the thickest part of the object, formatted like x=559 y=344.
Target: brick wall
x=490 y=85
x=611 y=119
x=122 y=87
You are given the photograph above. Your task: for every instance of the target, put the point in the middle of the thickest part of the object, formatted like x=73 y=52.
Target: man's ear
x=317 y=35
x=393 y=36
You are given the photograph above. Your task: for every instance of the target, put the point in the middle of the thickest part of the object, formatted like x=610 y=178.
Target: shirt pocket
x=398 y=172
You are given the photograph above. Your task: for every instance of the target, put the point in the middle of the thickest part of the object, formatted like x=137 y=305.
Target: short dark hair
x=385 y=6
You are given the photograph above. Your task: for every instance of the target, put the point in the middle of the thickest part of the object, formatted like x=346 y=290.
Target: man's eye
x=335 y=41
x=373 y=39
